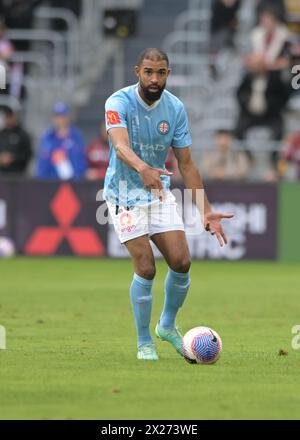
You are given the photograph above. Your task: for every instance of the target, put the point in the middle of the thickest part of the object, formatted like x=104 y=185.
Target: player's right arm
x=150 y=176
x=121 y=143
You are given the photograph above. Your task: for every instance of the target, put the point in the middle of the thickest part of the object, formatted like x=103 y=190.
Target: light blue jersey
x=152 y=131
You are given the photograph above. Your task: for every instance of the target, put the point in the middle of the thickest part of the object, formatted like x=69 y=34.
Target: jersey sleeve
x=115 y=112
x=182 y=136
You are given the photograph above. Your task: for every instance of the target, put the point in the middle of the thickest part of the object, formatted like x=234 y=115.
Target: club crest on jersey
x=164 y=127
x=126 y=222
x=125 y=219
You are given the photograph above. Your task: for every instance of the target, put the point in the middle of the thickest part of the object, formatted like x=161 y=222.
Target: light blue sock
x=141 y=300
x=176 y=289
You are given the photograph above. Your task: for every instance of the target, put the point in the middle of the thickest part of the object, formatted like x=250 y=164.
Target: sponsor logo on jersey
x=164 y=127
x=148 y=147
x=113 y=118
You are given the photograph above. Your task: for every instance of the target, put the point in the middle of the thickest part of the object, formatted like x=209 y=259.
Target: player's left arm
x=193 y=181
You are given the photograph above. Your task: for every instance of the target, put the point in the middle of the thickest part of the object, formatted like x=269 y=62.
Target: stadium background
x=79 y=52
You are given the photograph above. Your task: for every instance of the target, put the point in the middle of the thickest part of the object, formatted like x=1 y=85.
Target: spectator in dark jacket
x=19 y=14
x=223 y=26
x=223 y=23
x=15 y=145
x=263 y=94
x=61 y=152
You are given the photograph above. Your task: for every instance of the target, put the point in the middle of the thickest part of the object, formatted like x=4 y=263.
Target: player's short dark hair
x=153 y=54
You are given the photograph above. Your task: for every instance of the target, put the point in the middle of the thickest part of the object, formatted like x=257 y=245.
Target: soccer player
x=143 y=121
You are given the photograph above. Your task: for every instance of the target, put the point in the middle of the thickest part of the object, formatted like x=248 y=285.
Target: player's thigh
x=142 y=256
x=174 y=248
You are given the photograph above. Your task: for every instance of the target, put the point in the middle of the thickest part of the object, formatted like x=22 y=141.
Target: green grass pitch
x=71 y=350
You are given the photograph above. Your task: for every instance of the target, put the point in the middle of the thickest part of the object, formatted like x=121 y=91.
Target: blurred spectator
x=98 y=156
x=14 y=70
x=15 y=145
x=18 y=14
x=223 y=26
x=223 y=162
x=263 y=93
x=278 y=5
x=61 y=151
x=223 y=23
x=6 y=47
x=291 y=154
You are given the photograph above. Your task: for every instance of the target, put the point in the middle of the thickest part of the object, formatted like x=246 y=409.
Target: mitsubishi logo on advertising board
x=65 y=208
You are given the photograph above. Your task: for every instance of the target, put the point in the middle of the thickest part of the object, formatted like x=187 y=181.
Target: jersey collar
x=143 y=103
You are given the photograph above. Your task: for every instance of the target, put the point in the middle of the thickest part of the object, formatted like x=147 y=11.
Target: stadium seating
x=76 y=62
x=212 y=103
x=58 y=65
x=116 y=75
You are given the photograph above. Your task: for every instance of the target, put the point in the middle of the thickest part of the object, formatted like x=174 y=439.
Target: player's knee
x=147 y=270
x=181 y=265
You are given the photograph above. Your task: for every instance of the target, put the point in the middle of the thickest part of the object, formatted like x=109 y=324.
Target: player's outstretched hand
x=152 y=181
x=212 y=224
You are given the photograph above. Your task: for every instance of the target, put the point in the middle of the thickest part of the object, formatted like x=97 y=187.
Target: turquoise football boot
x=147 y=352
x=171 y=335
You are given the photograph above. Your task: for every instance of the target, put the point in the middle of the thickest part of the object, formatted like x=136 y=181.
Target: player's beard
x=152 y=96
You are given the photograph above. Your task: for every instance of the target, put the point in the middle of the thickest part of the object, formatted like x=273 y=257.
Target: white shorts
x=146 y=220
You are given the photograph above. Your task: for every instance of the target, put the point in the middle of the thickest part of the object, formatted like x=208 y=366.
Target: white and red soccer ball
x=202 y=345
